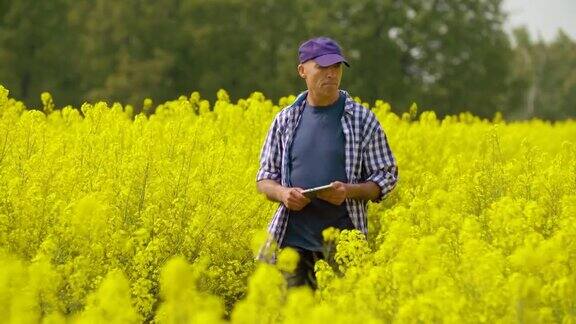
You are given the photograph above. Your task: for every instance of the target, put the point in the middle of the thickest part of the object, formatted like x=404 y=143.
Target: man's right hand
x=293 y=199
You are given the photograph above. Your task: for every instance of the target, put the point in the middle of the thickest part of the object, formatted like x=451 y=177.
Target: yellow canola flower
x=155 y=217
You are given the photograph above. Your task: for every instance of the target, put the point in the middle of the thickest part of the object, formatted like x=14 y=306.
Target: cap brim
x=330 y=59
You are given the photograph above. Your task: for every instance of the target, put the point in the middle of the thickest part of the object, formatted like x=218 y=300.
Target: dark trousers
x=304 y=272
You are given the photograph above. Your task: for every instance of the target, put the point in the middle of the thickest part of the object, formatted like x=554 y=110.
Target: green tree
x=127 y=50
x=35 y=48
x=446 y=55
x=544 y=77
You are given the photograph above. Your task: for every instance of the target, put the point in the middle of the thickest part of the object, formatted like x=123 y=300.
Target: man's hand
x=293 y=199
x=336 y=195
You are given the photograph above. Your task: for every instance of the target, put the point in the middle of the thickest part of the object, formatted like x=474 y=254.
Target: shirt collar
x=300 y=101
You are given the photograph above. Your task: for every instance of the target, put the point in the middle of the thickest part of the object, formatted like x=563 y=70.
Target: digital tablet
x=312 y=192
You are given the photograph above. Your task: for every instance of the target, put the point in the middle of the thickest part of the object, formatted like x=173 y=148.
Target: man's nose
x=331 y=71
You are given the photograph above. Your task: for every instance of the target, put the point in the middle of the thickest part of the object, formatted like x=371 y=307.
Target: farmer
x=323 y=137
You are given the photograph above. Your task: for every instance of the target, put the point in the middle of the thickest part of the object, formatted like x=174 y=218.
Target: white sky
x=542 y=17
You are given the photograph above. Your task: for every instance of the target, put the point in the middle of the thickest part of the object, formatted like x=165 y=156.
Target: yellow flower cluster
x=110 y=216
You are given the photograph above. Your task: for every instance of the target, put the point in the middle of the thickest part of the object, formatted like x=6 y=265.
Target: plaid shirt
x=367 y=156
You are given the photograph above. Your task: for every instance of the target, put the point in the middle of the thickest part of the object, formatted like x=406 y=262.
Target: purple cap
x=322 y=50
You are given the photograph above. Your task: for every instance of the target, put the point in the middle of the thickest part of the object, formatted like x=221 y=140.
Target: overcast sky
x=543 y=17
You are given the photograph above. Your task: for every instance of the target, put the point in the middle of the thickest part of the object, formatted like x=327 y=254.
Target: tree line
x=446 y=55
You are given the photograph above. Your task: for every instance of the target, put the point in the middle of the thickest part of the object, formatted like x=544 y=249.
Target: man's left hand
x=336 y=195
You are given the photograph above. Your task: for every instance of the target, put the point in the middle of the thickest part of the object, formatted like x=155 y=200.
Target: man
x=324 y=137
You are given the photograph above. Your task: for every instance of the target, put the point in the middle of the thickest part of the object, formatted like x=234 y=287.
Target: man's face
x=323 y=81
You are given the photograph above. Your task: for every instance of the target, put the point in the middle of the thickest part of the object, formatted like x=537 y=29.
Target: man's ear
x=301 y=71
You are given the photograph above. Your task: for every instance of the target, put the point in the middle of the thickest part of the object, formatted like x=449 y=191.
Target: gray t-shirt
x=317 y=158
